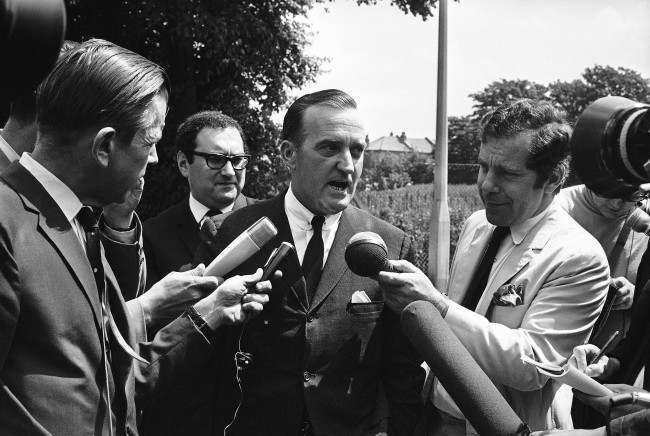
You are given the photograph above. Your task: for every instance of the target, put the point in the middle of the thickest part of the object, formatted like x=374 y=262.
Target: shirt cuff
x=130 y=236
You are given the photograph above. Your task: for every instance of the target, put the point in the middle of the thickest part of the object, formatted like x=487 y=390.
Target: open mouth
x=338 y=185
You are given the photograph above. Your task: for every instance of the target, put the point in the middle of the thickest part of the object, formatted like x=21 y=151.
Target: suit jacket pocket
x=370 y=311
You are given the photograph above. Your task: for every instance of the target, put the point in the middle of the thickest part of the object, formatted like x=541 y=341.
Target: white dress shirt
x=199 y=210
x=7 y=150
x=300 y=223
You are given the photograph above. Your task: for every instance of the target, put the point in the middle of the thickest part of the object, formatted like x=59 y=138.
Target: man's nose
x=228 y=169
x=346 y=162
x=488 y=183
x=152 y=159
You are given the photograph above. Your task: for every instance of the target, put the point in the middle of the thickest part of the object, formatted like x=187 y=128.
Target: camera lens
x=610 y=146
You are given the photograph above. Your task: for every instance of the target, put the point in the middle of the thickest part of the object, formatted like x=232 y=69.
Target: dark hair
x=23 y=107
x=187 y=131
x=99 y=84
x=548 y=129
x=292 y=125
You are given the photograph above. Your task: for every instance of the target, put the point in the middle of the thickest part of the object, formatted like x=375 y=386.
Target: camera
x=610 y=146
x=31 y=35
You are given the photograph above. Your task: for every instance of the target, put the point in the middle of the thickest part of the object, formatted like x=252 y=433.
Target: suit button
x=310 y=318
x=306 y=376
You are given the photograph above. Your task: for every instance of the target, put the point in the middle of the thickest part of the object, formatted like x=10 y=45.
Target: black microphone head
x=366 y=254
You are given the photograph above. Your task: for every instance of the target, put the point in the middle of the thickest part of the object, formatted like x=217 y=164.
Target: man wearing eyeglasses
x=212 y=156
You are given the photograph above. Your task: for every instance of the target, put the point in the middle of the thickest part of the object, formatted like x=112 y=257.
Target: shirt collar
x=199 y=210
x=299 y=214
x=61 y=194
x=519 y=231
x=8 y=150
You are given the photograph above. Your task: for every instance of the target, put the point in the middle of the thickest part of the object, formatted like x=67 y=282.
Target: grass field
x=409 y=208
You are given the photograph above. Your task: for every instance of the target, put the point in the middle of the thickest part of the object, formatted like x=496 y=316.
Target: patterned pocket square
x=509 y=295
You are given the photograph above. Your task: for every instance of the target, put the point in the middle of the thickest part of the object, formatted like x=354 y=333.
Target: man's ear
x=183 y=164
x=104 y=144
x=554 y=182
x=288 y=151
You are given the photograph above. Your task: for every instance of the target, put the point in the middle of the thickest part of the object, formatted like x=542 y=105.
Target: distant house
x=400 y=144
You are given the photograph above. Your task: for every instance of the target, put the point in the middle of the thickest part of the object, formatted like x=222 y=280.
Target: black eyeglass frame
x=225 y=157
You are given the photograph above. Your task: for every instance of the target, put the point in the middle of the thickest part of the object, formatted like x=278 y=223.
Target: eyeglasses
x=216 y=161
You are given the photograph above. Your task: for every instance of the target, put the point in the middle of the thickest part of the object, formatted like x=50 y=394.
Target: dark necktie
x=480 y=279
x=312 y=263
x=89 y=220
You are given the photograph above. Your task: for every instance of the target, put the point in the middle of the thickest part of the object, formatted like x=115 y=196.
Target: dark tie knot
x=500 y=233
x=89 y=218
x=317 y=223
x=212 y=213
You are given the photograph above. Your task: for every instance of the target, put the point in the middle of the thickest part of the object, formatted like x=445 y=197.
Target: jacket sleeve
x=402 y=373
x=127 y=259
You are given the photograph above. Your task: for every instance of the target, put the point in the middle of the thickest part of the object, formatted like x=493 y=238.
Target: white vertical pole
x=439 y=224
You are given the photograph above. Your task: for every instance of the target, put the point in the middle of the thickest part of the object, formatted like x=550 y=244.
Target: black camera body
x=610 y=146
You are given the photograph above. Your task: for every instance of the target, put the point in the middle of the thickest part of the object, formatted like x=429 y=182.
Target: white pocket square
x=360 y=297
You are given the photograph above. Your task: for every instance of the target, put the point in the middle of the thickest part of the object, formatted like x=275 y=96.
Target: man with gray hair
x=526 y=280
x=66 y=336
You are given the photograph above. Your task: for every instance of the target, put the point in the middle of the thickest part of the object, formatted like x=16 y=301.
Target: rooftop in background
x=401 y=144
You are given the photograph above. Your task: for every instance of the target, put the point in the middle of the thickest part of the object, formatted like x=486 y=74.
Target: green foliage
x=385 y=170
x=409 y=208
x=599 y=81
x=502 y=91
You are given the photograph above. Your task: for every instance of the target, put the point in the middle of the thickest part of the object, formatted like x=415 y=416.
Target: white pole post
x=439 y=224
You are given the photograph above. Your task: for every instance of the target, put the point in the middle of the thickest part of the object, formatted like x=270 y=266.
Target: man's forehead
x=323 y=119
x=226 y=140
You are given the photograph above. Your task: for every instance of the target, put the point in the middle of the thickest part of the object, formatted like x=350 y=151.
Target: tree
x=597 y=82
x=464 y=139
x=240 y=57
x=502 y=91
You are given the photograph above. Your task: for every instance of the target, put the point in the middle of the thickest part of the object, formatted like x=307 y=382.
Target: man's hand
x=407 y=285
x=168 y=298
x=583 y=354
x=120 y=215
x=233 y=302
x=624 y=293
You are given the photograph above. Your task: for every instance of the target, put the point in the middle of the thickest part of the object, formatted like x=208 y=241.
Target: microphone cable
x=241 y=359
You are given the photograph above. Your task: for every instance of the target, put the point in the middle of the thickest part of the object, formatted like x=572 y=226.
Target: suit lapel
x=188 y=230
x=518 y=258
x=278 y=216
x=57 y=229
x=335 y=265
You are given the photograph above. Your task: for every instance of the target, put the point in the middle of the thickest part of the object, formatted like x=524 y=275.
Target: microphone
x=249 y=242
x=366 y=254
x=639 y=220
x=471 y=389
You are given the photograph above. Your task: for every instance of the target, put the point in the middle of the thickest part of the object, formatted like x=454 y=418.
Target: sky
x=386 y=59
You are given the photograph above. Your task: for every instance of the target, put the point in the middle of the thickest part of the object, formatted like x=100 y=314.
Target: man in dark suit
x=323 y=361
x=212 y=155
x=66 y=335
